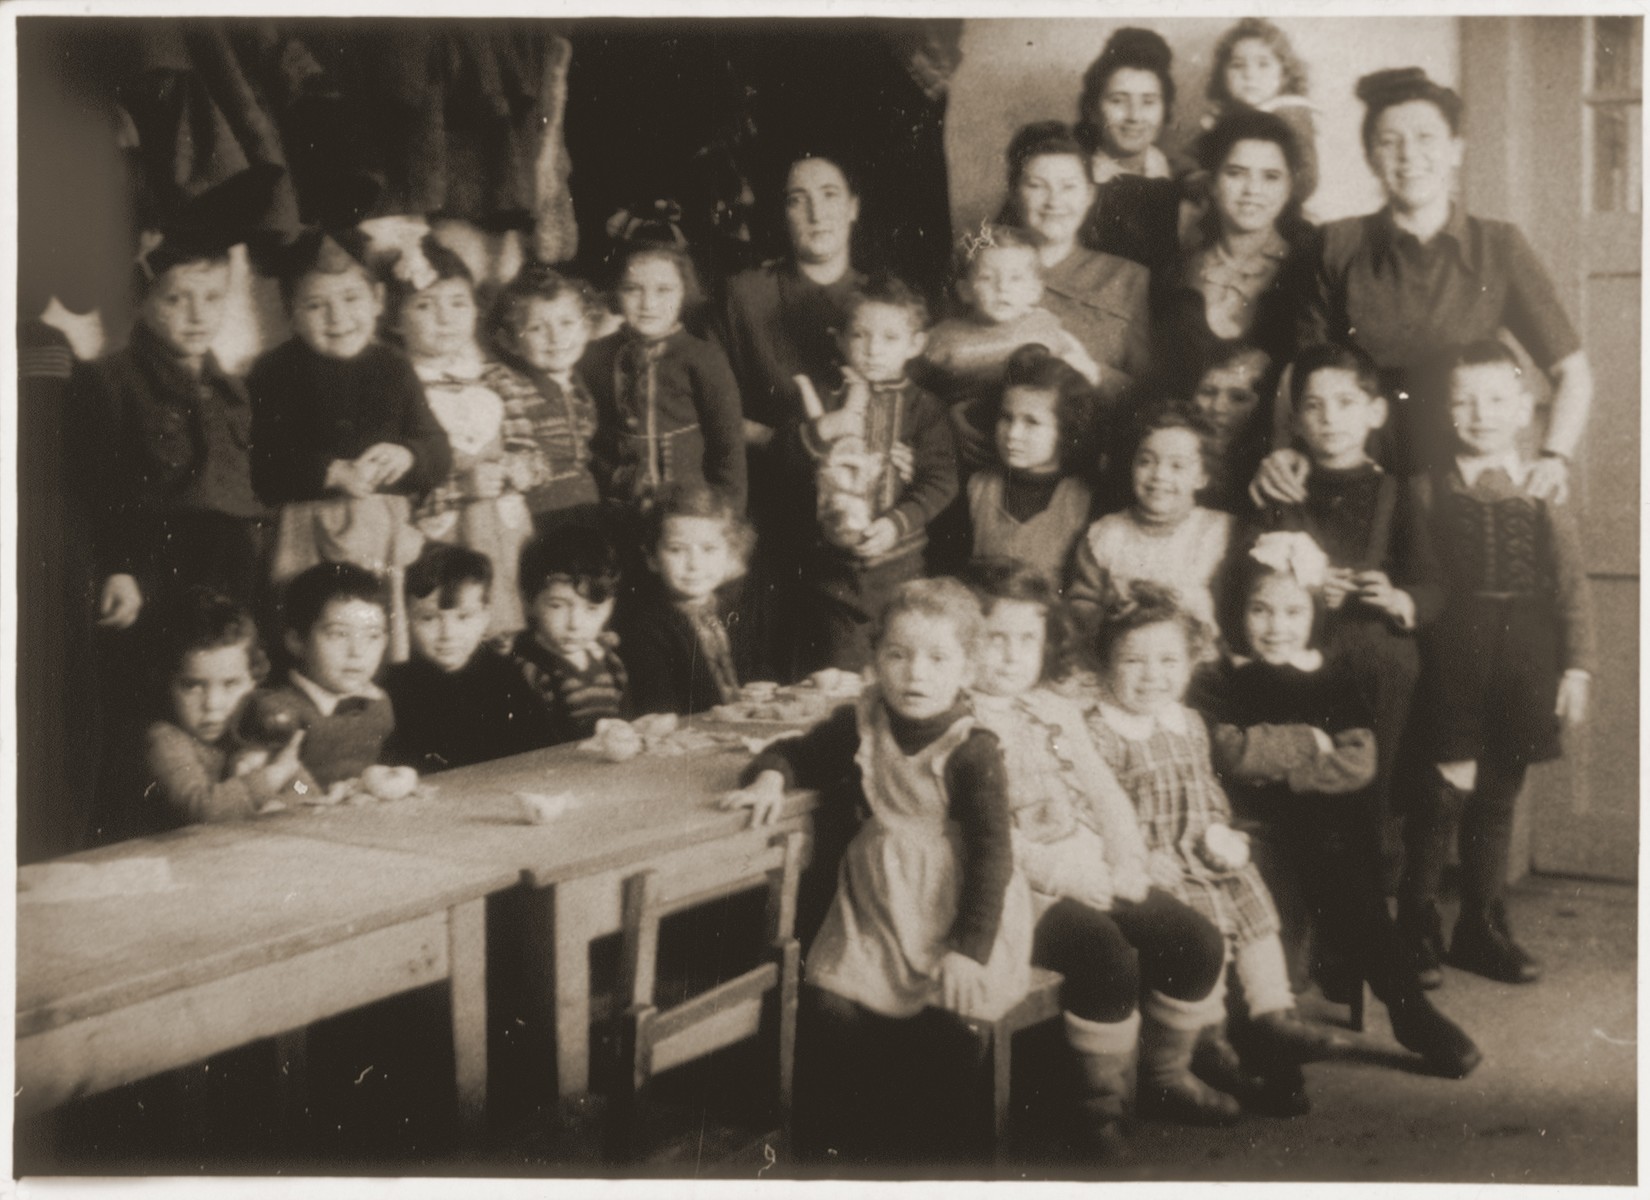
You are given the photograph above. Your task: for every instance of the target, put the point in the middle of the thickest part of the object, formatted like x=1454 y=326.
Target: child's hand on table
x=765 y=797
x=1573 y=691
x=962 y=983
x=878 y=539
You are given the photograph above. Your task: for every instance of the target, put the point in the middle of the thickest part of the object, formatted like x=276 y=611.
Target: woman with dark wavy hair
x=1127 y=100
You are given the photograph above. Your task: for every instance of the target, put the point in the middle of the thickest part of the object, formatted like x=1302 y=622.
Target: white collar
x=1104 y=168
x=1304 y=660
x=466 y=364
x=1137 y=727
x=1471 y=467
x=327 y=700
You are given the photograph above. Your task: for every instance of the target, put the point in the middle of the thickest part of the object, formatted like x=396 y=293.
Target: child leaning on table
x=335 y=619
x=569 y=581
x=930 y=909
x=209 y=659
x=457 y=700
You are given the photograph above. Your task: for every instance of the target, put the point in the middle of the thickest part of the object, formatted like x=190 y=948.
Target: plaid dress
x=1165 y=768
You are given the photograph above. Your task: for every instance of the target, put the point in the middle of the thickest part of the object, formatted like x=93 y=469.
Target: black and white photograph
x=743 y=594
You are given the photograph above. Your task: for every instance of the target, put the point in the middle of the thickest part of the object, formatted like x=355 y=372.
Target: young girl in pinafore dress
x=930 y=909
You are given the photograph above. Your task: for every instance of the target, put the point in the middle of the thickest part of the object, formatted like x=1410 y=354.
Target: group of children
x=1187 y=761
x=1138 y=749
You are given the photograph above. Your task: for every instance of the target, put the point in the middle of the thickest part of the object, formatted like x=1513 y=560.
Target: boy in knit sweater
x=884 y=467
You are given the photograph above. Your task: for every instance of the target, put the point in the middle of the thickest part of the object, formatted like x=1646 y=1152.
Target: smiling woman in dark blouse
x=1423 y=275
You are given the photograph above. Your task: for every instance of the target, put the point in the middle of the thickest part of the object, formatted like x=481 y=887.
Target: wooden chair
x=653 y=1040
x=994 y=1039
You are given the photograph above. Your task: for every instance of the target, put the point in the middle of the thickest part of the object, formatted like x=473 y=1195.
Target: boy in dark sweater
x=884 y=467
x=1384 y=581
x=457 y=701
x=568 y=584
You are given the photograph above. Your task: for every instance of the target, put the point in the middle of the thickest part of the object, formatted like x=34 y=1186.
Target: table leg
x=572 y=933
x=467 y=959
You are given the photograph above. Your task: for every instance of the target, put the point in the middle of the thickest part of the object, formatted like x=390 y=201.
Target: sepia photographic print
x=724 y=596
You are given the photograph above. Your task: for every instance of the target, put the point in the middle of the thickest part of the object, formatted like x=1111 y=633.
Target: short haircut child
x=446 y=570
x=887 y=290
x=450 y=713
x=341 y=743
x=1334 y=356
x=534 y=282
x=191 y=773
x=573 y=695
x=998 y=579
x=1485 y=352
x=325 y=252
x=579 y=555
x=310 y=592
x=870 y=519
x=1261 y=30
x=202 y=619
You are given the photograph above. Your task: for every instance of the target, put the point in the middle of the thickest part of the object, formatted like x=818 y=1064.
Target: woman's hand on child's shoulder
x=1549 y=479
x=764 y=796
x=1281 y=479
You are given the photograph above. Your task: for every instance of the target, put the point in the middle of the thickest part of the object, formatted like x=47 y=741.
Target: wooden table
x=260 y=934
x=623 y=817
